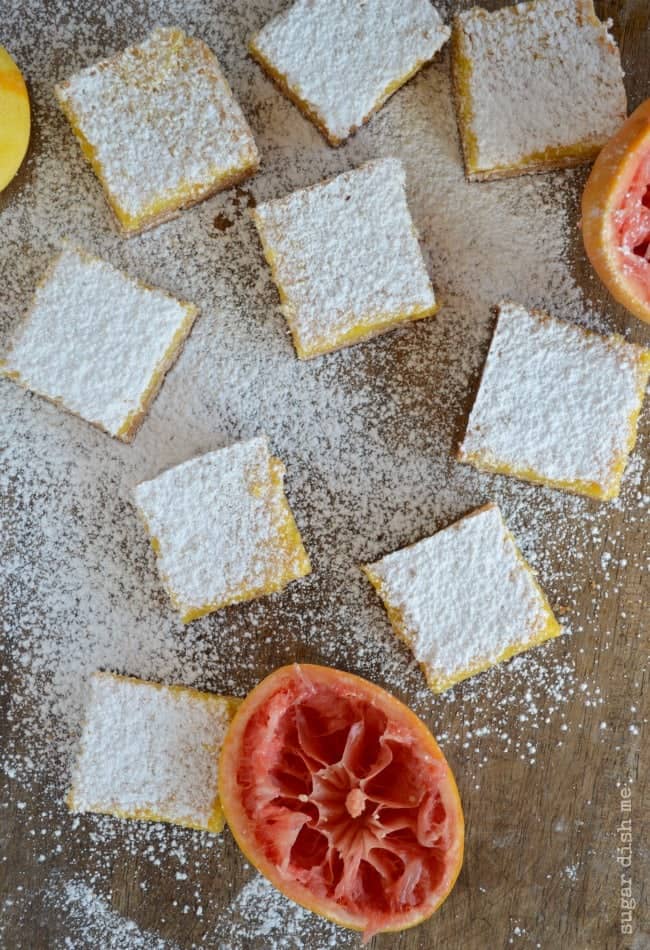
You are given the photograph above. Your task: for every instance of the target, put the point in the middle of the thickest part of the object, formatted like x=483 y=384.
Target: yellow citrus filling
x=555 y=156
x=462 y=72
x=363 y=330
x=577 y=486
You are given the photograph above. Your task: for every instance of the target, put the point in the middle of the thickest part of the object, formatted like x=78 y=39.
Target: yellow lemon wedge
x=14 y=118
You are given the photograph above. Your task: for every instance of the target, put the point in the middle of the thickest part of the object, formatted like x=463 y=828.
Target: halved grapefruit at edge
x=14 y=118
x=340 y=796
x=616 y=214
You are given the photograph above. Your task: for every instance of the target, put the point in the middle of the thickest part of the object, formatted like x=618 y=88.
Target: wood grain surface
x=540 y=868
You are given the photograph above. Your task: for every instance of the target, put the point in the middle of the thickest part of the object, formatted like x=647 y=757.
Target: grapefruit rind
x=15 y=118
x=248 y=787
x=604 y=199
x=149 y=752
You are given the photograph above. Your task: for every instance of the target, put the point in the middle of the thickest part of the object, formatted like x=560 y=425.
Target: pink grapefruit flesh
x=339 y=794
x=616 y=214
x=632 y=228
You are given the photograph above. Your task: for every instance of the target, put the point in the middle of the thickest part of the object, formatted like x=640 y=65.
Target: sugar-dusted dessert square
x=345 y=258
x=98 y=343
x=538 y=85
x=222 y=529
x=463 y=599
x=160 y=126
x=339 y=61
x=151 y=752
x=557 y=405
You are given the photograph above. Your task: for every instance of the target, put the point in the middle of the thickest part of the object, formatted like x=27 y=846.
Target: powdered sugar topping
x=215 y=521
x=160 y=117
x=148 y=748
x=555 y=400
x=544 y=75
x=367 y=435
x=344 y=58
x=94 y=339
x=345 y=256
x=464 y=594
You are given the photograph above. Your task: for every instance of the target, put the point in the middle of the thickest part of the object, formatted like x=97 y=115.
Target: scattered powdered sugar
x=93 y=924
x=346 y=257
x=367 y=436
x=571 y=871
x=84 y=919
x=260 y=912
x=341 y=59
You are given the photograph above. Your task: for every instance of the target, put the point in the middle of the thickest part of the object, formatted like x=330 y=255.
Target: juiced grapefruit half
x=616 y=214
x=339 y=794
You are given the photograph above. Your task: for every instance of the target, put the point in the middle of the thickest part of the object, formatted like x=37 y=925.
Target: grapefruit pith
x=616 y=214
x=339 y=794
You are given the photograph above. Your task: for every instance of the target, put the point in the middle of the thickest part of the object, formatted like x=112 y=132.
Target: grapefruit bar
x=160 y=127
x=345 y=257
x=557 y=405
x=340 y=61
x=538 y=85
x=151 y=752
x=222 y=529
x=98 y=343
x=463 y=599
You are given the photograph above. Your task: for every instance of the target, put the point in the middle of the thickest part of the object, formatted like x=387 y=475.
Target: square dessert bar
x=222 y=529
x=98 y=343
x=557 y=405
x=151 y=752
x=463 y=599
x=538 y=85
x=345 y=258
x=340 y=60
x=160 y=127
